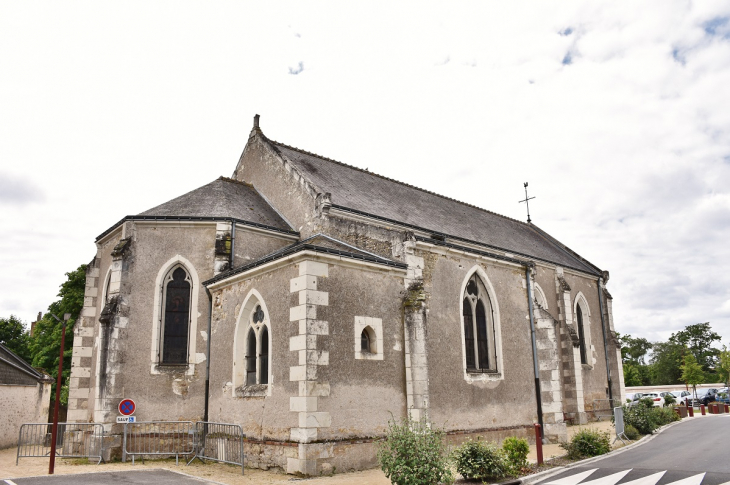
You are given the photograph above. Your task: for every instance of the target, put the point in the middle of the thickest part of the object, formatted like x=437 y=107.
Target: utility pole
x=59 y=379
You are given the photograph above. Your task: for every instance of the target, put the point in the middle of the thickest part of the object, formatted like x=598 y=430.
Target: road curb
x=530 y=479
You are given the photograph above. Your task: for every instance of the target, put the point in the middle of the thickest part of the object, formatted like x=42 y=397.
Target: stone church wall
x=267 y=417
x=471 y=402
x=285 y=190
x=365 y=391
x=594 y=382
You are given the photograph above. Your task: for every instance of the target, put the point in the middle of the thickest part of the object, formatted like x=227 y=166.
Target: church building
x=311 y=302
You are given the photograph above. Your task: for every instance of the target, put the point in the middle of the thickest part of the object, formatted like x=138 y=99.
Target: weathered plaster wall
x=251 y=246
x=455 y=402
x=277 y=182
x=262 y=417
x=593 y=373
x=379 y=240
x=161 y=392
x=21 y=404
x=364 y=392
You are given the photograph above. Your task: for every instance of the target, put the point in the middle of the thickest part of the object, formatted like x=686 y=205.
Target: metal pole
x=538 y=392
x=605 y=342
x=59 y=379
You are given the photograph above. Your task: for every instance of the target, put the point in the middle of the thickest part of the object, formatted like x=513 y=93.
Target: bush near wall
x=414 y=453
x=587 y=443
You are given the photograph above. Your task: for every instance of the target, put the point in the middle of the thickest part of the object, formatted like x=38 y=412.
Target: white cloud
x=110 y=109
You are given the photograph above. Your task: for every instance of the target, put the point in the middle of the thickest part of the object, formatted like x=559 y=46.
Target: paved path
x=693 y=452
x=128 y=477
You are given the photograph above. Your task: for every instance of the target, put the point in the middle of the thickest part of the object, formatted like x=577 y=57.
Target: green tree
x=692 y=373
x=723 y=365
x=699 y=338
x=45 y=345
x=14 y=336
x=631 y=375
x=634 y=350
x=665 y=363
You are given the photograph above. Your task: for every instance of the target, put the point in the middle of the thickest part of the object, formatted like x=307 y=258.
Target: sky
x=616 y=113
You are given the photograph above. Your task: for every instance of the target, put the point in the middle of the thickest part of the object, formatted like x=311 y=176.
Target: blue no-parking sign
x=127 y=407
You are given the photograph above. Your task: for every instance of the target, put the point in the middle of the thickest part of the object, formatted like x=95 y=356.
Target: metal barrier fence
x=158 y=438
x=74 y=440
x=219 y=442
x=603 y=408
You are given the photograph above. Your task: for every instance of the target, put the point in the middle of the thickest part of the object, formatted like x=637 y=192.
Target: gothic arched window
x=176 y=317
x=257 y=348
x=581 y=336
x=479 y=335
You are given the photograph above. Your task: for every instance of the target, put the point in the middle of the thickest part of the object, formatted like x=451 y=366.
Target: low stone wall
x=22 y=404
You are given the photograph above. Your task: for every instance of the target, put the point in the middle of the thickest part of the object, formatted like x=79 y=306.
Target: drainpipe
x=233 y=244
x=207 y=354
x=605 y=341
x=528 y=276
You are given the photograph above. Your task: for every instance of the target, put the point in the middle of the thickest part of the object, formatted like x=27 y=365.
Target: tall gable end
x=286 y=187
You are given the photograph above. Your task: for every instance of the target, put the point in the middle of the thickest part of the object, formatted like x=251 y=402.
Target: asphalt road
x=693 y=452
x=131 y=477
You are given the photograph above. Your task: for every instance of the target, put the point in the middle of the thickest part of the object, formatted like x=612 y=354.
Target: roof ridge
x=234 y=181
x=394 y=180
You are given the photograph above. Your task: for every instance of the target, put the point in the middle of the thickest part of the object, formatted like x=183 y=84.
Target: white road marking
x=693 y=480
x=573 y=479
x=609 y=479
x=647 y=480
x=10 y=482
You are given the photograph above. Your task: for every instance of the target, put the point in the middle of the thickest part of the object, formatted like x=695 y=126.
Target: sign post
x=127 y=407
x=54 y=426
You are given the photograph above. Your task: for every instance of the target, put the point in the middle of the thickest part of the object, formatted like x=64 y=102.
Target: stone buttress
x=310 y=332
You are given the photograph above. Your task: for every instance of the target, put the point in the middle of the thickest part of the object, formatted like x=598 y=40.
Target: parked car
x=681 y=396
x=631 y=396
x=705 y=396
x=723 y=395
x=654 y=396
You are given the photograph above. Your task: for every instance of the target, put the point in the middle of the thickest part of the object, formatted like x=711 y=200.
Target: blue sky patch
x=719 y=26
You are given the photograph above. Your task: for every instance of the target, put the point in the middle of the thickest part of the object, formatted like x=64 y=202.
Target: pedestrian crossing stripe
x=647 y=480
x=613 y=479
x=610 y=479
x=573 y=479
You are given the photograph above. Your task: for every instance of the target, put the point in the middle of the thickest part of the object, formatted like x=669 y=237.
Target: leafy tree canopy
x=634 y=350
x=665 y=363
x=15 y=336
x=692 y=372
x=698 y=338
x=46 y=343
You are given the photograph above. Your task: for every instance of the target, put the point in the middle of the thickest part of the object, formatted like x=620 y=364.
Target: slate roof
x=223 y=198
x=320 y=243
x=371 y=194
x=8 y=357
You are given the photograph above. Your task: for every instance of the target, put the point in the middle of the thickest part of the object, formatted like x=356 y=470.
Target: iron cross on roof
x=527 y=202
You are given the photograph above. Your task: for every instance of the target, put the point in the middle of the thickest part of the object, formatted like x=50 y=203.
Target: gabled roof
x=10 y=358
x=364 y=192
x=319 y=243
x=223 y=198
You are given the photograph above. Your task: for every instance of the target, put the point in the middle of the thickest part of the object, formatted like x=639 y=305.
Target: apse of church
x=315 y=301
